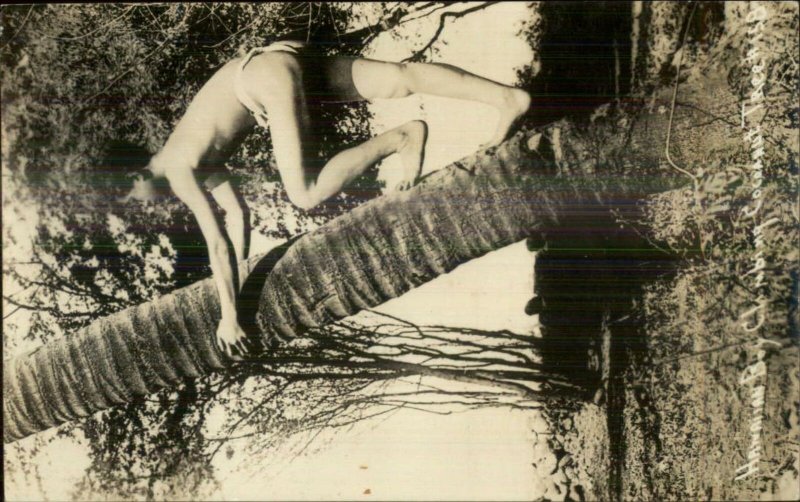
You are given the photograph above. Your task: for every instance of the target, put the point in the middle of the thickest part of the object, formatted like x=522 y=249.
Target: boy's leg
x=289 y=127
x=378 y=79
x=407 y=140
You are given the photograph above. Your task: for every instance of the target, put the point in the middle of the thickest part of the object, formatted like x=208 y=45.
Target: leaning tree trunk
x=527 y=186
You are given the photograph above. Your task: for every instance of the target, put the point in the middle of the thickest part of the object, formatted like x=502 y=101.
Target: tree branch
x=418 y=55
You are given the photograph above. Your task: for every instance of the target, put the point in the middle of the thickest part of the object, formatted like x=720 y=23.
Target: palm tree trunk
x=527 y=186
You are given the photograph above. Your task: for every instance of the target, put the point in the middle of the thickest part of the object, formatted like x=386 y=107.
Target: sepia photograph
x=413 y=251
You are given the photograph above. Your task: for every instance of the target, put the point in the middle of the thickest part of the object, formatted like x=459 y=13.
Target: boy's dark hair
x=120 y=163
x=125 y=153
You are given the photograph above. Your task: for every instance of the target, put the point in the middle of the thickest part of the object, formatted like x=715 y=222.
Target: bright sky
x=484 y=454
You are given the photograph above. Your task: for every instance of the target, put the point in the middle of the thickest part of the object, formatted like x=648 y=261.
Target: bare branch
x=21 y=26
x=129 y=70
x=52 y=310
x=396 y=16
x=92 y=32
x=418 y=55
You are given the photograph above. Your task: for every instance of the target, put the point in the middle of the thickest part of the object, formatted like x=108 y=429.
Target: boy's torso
x=212 y=128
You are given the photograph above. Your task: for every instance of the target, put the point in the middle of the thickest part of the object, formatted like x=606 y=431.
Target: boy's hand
x=231 y=339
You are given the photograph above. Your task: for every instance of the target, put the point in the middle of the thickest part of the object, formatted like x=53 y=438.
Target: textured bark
x=528 y=186
x=531 y=185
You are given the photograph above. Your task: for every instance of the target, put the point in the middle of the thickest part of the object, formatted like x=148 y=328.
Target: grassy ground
x=673 y=419
x=684 y=431
x=687 y=421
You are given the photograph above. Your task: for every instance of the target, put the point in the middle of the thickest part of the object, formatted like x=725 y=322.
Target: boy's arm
x=184 y=184
x=237 y=221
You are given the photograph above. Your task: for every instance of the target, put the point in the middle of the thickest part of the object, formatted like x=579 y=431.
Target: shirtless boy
x=277 y=87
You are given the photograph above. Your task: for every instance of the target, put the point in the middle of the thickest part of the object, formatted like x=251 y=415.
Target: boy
x=283 y=83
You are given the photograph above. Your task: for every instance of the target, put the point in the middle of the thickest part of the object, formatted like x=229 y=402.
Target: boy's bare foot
x=516 y=104
x=412 y=152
